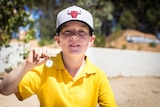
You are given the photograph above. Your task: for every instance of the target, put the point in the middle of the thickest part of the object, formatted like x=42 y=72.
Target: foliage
x=48 y=29
x=127 y=20
x=144 y=15
x=116 y=34
x=25 y=53
x=153 y=45
x=139 y=15
x=124 y=46
x=4 y=39
x=45 y=41
x=100 y=41
x=29 y=35
x=7 y=70
x=12 y=15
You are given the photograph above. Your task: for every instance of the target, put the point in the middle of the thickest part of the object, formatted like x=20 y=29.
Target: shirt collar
x=58 y=64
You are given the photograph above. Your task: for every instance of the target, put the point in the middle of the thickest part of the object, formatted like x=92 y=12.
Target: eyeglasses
x=70 y=33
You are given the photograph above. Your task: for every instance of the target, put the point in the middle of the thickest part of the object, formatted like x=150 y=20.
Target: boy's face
x=74 y=38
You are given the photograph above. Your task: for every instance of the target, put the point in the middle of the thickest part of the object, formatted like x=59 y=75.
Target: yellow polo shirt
x=55 y=87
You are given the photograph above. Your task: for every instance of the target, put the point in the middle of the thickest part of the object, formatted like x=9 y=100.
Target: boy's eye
x=67 y=33
x=81 y=33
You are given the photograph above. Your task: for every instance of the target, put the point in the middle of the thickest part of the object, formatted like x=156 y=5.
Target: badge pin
x=49 y=62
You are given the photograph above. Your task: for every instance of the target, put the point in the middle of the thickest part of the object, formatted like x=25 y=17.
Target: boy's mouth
x=74 y=45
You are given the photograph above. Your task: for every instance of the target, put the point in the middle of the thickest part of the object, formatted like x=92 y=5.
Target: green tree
x=128 y=20
x=12 y=15
x=144 y=14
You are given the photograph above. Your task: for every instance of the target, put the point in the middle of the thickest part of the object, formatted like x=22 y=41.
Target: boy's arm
x=9 y=84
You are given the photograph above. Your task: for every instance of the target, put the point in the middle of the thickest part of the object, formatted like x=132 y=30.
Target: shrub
x=100 y=41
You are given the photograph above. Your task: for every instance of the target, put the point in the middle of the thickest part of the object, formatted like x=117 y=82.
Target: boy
x=72 y=80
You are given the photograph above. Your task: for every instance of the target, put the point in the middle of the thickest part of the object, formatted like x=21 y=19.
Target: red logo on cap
x=74 y=13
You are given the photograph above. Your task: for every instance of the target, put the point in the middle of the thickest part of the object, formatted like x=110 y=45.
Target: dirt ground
x=128 y=91
x=136 y=91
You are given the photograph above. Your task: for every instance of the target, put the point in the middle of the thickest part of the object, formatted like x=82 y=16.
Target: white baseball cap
x=74 y=13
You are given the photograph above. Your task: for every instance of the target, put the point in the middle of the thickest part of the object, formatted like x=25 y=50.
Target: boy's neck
x=73 y=65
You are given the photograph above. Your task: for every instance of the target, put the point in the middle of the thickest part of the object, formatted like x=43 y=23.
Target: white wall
x=126 y=62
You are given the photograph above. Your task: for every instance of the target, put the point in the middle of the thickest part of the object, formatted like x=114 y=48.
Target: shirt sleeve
x=29 y=84
x=106 y=96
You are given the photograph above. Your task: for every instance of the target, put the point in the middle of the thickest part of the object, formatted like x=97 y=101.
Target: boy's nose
x=74 y=37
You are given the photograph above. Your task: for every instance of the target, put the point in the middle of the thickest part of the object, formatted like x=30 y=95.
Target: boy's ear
x=93 y=37
x=56 y=38
x=91 y=41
